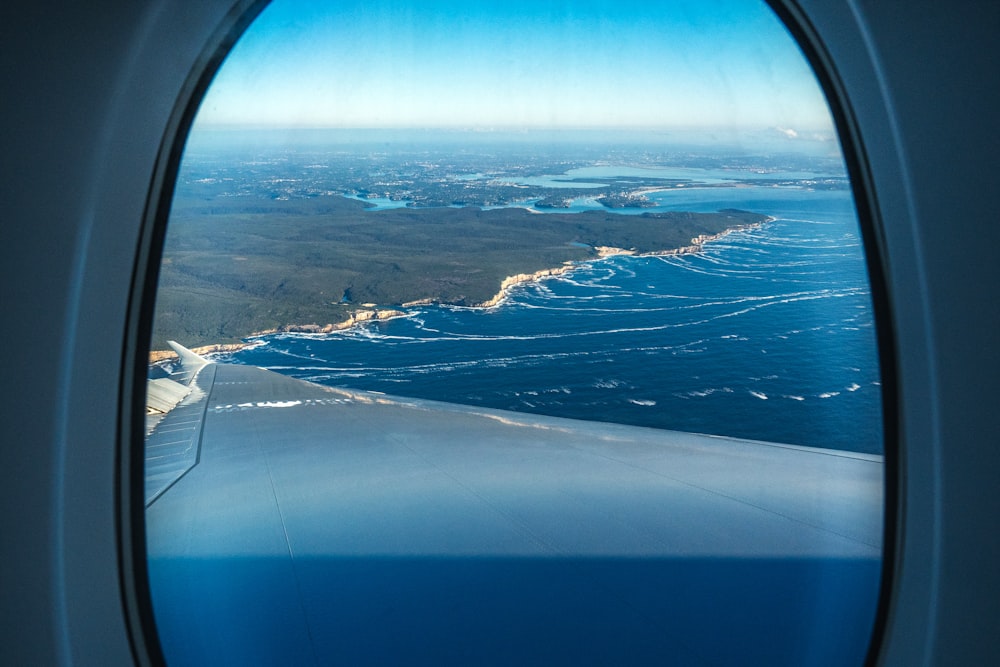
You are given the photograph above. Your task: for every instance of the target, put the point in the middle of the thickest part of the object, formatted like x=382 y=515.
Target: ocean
x=766 y=334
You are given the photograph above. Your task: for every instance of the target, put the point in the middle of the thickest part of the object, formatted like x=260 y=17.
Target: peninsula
x=238 y=267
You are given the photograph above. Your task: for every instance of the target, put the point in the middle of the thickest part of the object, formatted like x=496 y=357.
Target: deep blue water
x=768 y=334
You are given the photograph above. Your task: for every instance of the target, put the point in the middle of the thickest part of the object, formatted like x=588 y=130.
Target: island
x=236 y=267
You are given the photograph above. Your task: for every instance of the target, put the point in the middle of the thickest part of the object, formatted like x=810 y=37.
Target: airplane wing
x=298 y=524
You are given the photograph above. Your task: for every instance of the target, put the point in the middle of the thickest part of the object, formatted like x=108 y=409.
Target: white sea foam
x=695 y=393
x=642 y=402
x=759 y=395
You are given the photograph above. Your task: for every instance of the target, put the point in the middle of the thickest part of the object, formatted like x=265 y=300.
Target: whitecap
x=759 y=395
x=829 y=394
x=642 y=402
x=854 y=387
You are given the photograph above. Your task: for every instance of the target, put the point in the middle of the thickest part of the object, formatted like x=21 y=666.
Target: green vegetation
x=240 y=265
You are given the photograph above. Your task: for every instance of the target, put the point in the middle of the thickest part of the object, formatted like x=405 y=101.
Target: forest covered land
x=234 y=267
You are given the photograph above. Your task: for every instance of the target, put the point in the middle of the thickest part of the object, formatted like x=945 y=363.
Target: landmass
x=626 y=200
x=233 y=268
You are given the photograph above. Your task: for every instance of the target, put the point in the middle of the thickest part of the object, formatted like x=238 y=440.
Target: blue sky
x=685 y=64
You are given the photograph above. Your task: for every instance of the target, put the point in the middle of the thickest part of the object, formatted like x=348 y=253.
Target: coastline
x=359 y=316
x=521 y=278
x=506 y=285
x=603 y=252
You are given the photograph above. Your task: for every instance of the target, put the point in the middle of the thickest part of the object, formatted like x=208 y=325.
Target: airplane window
x=505 y=333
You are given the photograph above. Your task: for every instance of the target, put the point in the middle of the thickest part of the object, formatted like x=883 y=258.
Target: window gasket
x=129 y=479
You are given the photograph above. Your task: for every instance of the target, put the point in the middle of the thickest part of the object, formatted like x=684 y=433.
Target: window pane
x=579 y=301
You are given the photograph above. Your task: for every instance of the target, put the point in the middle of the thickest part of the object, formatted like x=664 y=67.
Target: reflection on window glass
x=511 y=332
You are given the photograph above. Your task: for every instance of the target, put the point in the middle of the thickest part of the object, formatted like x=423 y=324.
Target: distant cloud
x=788 y=132
x=822 y=137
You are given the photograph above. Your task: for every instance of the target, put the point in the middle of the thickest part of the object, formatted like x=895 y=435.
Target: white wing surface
x=305 y=525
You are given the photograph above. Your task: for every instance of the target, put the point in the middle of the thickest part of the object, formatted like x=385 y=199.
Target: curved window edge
x=133 y=572
x=802 y=30
x=132 y=544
